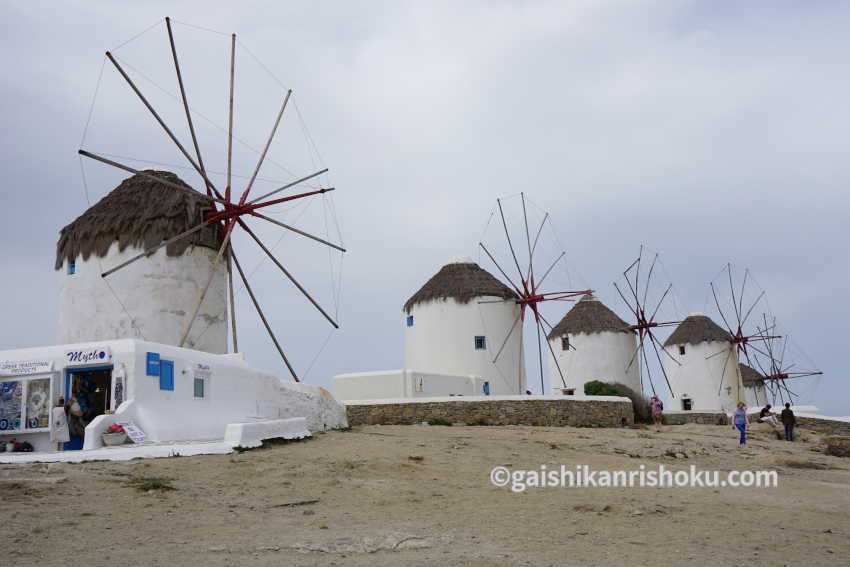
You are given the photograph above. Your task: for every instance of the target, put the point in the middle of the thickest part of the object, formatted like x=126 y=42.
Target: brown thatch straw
x=589 y=315
x=462 y=282
x=696 y=329
x=750 y=376
x=140 y=212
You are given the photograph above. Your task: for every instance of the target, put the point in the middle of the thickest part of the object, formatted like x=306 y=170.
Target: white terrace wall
x=236 y=393
x=597 y=356
x=442 y=341
x=403 y=383
x=159 y=293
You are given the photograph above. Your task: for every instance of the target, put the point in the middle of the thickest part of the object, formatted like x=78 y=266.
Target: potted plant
x=115 y=435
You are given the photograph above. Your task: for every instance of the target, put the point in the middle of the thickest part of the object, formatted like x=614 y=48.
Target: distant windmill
x=636 y=295
x=527 y=284
x=228 y=208
x=736 y=309
x=779 y=361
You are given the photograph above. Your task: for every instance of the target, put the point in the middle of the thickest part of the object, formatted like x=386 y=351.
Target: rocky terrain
x=421 y=495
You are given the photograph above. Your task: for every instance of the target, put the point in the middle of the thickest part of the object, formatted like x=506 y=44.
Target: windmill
x=229 y=207
x=781 y=361
x=742 y=339
x=639 y=301
x=527 y=285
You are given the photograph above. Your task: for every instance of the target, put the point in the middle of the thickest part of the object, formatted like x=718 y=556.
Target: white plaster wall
x=442 y=341
x=756 y=396
x=404 y=383
x=235 y=393
x=159 y=292
x=370 y=385
x=699 y=377
x=597 y=356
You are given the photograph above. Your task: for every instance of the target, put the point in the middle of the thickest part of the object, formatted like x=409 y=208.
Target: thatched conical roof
x=750 y=376
x=589 y=315
x=695 y=329
x=462 y=281
x=140 y=212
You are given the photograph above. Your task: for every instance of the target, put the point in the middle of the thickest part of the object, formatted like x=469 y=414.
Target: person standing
x=59 y=433
x=740 y=422
x=657 y=411
x=789 y=421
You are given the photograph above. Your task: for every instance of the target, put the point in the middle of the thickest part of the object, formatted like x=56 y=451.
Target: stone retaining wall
x=818 y=425
x=705 y=418
x=824 y=426
x=544 y=412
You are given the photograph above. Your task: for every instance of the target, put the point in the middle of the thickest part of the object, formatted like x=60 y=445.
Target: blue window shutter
x=166 y=375
x=152 y=364
x=72 y=267
x=410 y=320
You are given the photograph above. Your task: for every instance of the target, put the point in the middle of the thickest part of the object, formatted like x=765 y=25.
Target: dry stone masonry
x=549 y=412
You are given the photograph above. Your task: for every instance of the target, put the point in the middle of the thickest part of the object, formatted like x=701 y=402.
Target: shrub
x=640 y=405
x=439 y=421
x=146 y=484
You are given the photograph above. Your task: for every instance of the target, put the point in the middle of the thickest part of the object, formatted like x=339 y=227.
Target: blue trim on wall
x=152 y=364
x=166 y=375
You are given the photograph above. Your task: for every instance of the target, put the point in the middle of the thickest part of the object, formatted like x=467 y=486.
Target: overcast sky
x=710 y=132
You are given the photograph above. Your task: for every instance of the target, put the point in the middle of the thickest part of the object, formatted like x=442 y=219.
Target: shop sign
x=133 y=431
x=83 y=357
x=24 y=367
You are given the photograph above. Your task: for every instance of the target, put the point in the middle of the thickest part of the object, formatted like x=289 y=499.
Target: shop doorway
x=88 y=394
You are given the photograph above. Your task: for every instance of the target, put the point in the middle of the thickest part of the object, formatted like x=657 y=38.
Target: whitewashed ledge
x=123 y=452
x=247 y=435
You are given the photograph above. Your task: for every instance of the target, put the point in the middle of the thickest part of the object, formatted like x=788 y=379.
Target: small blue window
x=72 y=267
x=410 y=320
x=166 y=375
x=480 y=343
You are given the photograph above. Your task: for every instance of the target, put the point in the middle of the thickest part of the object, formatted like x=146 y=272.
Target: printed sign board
x=24 y=367
x=133 y=432
x=88 y=356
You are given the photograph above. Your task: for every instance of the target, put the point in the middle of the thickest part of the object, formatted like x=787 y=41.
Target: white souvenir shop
x=164 y=393
x=29 y=389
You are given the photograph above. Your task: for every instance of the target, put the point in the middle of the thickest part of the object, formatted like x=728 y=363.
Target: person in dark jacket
x=789 y=421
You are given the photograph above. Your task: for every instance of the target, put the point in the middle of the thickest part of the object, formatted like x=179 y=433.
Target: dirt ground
x=421 y=495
